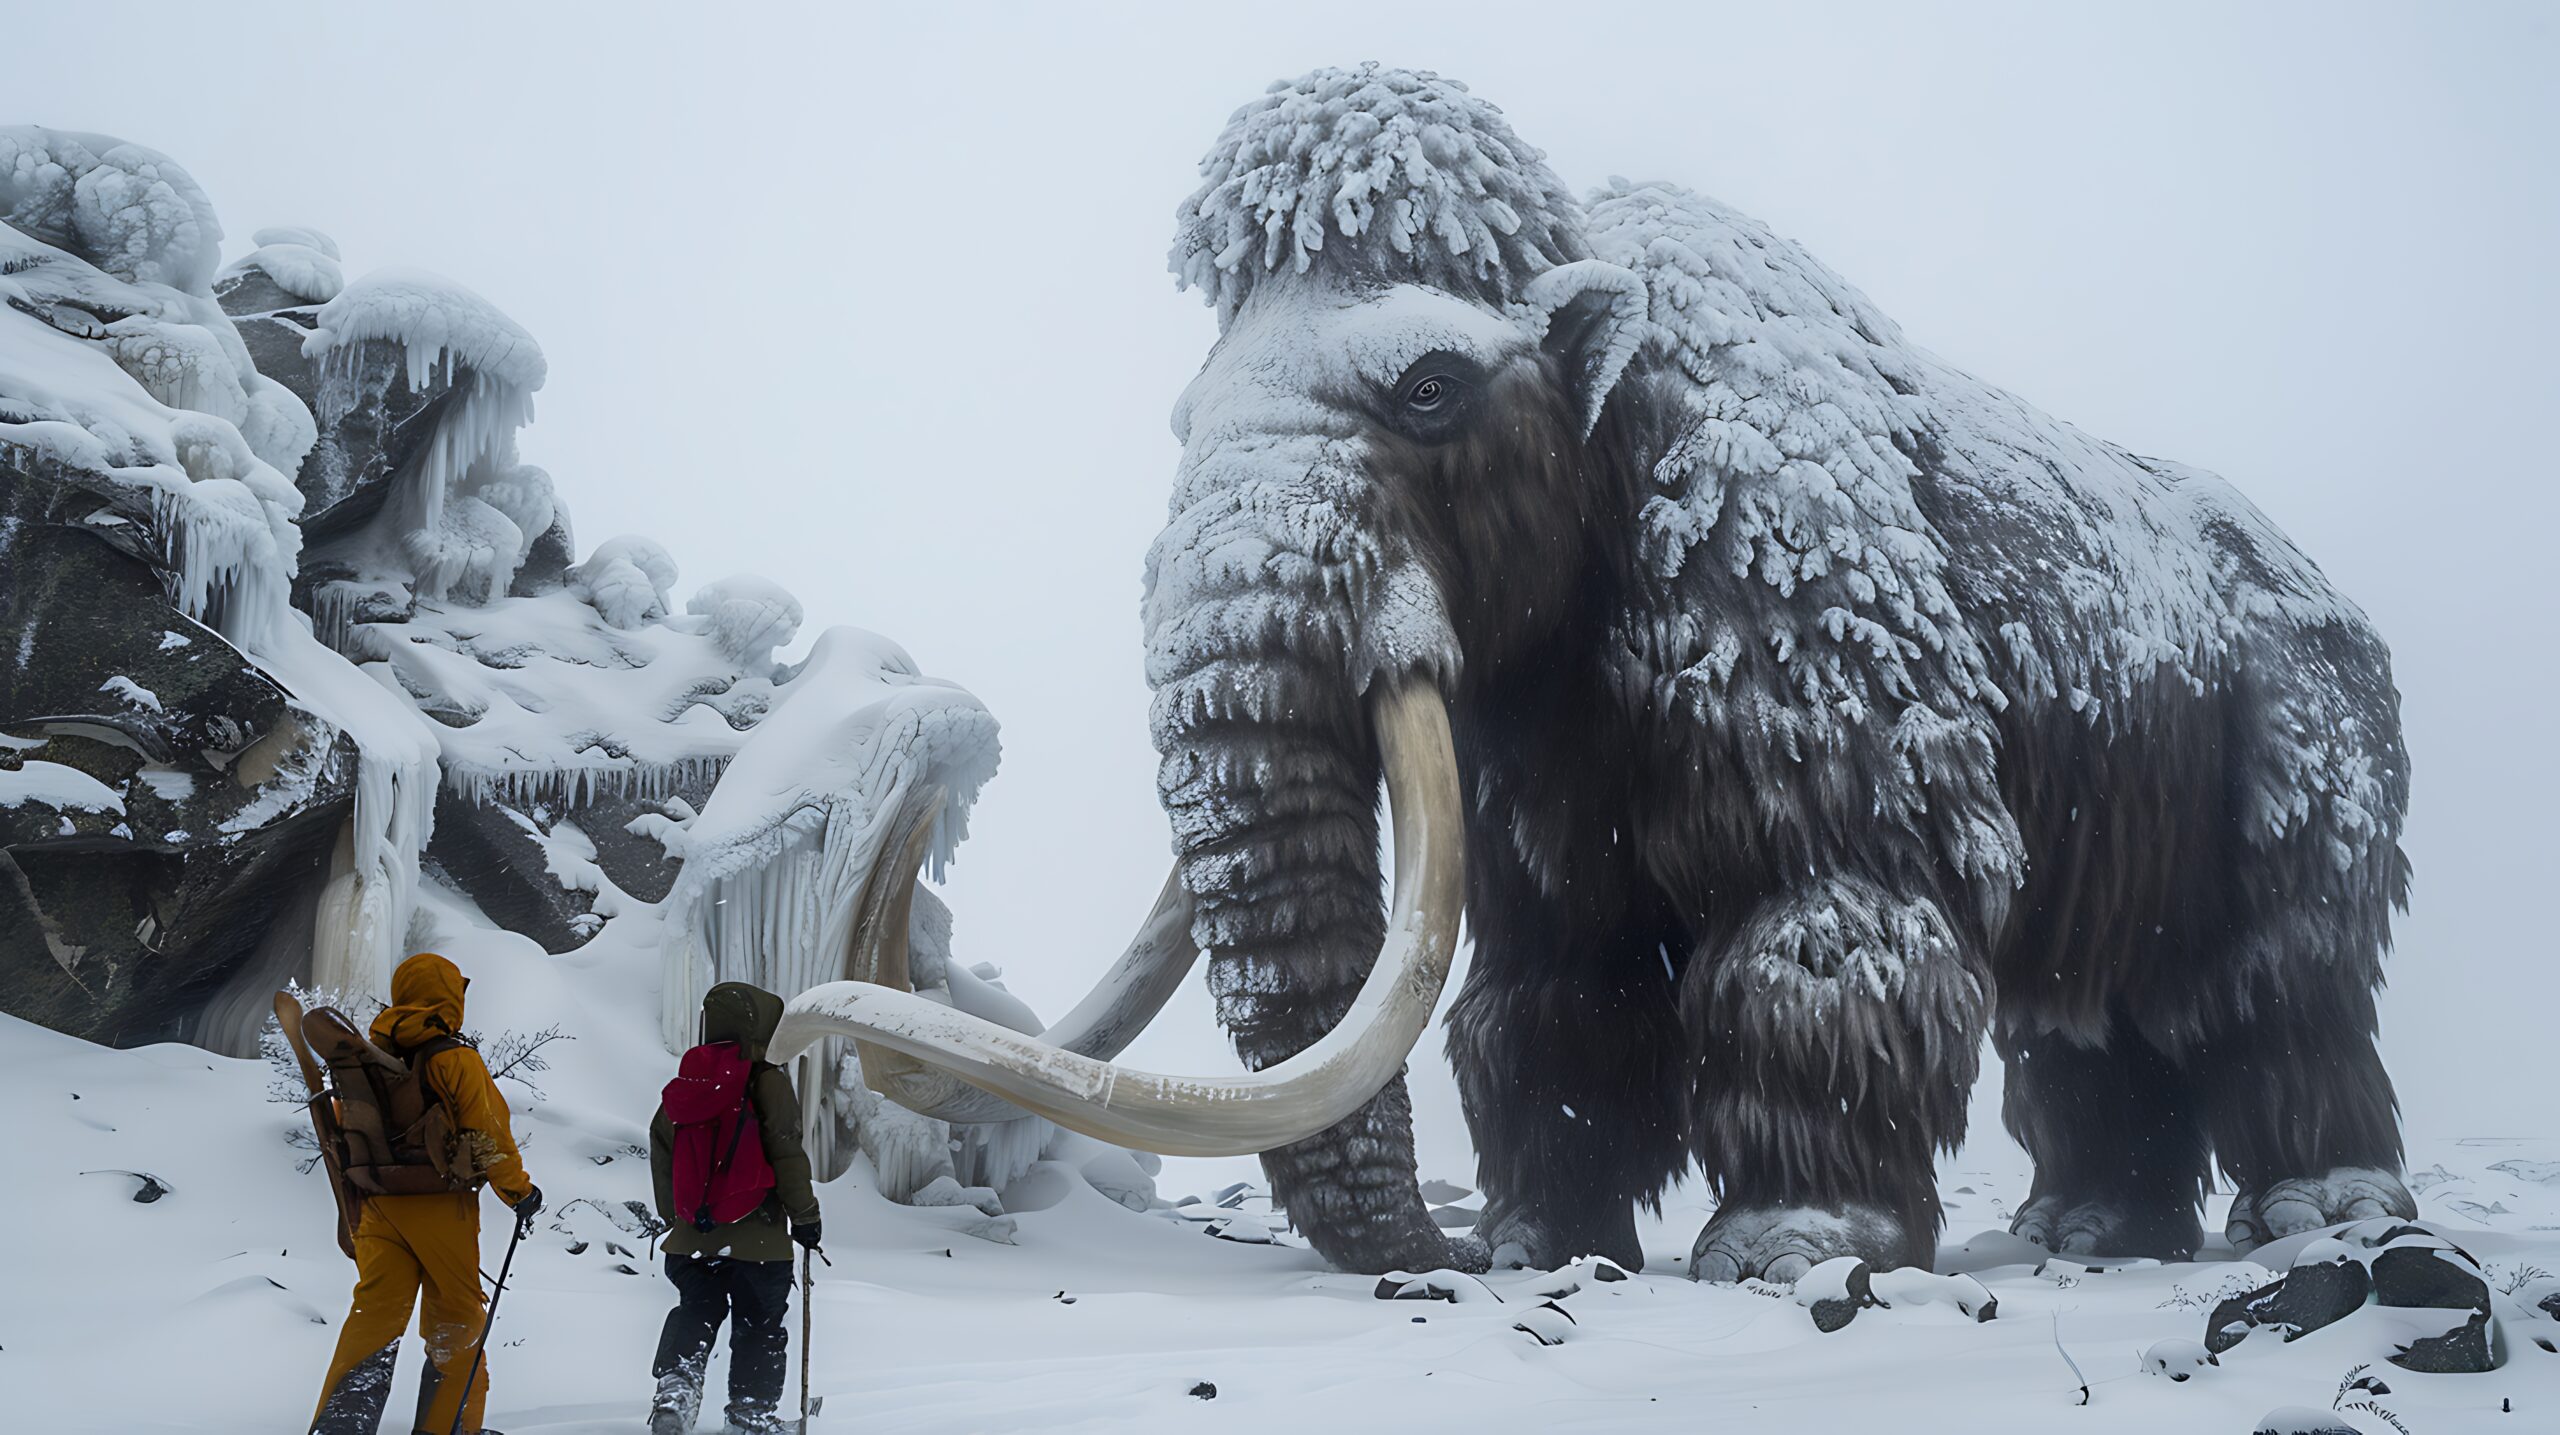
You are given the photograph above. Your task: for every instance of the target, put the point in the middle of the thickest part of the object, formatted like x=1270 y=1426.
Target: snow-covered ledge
x=776 y=862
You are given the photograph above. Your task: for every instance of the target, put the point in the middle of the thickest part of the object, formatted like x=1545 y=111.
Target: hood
x=426 y=1003
x=710 y=1082
x=747 y=1015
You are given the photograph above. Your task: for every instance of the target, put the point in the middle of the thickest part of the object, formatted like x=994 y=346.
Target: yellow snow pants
x=406 y=1244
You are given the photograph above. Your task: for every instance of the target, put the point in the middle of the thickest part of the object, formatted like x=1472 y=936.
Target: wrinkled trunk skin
x=1270 y=775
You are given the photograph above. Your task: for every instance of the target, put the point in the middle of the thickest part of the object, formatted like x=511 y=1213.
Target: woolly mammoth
x=1791 y=709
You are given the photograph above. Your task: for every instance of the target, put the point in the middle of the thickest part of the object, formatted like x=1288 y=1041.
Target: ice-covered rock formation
x=274 y=801
x=295 y=621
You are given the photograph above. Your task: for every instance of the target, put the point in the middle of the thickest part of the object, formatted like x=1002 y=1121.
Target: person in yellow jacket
x=405 y=1244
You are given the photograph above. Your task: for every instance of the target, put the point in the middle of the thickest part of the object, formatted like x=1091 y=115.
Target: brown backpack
x=394 y=1135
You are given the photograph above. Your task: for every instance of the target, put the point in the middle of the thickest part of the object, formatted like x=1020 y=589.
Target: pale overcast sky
x=873 y=302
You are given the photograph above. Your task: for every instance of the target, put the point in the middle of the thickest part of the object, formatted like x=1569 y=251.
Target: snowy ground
x=214 y=1307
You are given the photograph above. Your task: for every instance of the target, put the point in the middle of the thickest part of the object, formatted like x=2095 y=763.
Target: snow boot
x=678 y=1400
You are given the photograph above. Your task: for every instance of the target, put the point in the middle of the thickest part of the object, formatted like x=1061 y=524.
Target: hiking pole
x=808 y=1407
x=481 y=1349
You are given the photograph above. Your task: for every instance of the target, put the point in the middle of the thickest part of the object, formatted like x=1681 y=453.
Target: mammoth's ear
x=1595 y=313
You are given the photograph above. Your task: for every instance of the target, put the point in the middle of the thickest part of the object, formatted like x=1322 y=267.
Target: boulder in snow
x=2178 y=1360
x=2424 y=1299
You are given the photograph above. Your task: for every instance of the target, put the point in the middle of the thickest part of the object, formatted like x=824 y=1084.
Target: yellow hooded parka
x=409 y=1244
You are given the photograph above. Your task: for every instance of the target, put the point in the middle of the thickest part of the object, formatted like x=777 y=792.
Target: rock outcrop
x=292 y=623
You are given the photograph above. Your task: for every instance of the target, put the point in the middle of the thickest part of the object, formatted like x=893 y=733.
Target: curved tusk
x=1101 y=1026
x=1219 y=1115
x=879 y=952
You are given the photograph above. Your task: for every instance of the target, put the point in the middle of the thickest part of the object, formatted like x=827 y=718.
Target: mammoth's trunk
x=1270 y=773
x=1276 y=714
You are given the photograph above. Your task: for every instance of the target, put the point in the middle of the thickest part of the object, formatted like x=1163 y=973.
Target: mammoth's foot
x=1414 y=1246
x=2304 y=1203
x=1781 y=1243
x=1516 y=1237
x=2079 y=1226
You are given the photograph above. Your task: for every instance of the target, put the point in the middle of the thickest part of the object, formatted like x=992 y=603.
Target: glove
x=529 y=1207
x=806 y=1235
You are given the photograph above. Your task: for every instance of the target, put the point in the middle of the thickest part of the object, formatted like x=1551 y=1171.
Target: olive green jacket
x=735 y=1011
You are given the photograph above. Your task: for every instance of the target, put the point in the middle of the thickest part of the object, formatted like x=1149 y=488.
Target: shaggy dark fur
x=1819 y=710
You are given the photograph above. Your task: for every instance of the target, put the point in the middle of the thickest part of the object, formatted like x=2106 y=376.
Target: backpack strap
x=425 y=1133
x=737 y=1134
x=416 y=1058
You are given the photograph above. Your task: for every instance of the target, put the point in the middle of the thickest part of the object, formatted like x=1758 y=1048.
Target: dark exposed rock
x=2429 y=1278
x=2231 y=1322
x=2462 y=1350
x=638 y=865
x=2316 y=1296
x=147 y=1188
x=547 y=565
x=488 y=853
x=371 y=422
x=252 y=291
x=496 y=854
x=1834 y=1309
x=2399 y=1265
x=130 y=926
x=2306 y=1299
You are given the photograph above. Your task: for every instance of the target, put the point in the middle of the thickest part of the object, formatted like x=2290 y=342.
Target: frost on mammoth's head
x=1393 y=174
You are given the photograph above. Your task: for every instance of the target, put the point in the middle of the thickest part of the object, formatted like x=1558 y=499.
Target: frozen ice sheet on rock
x=435 y=335
x=808 y=799
x=440 y=324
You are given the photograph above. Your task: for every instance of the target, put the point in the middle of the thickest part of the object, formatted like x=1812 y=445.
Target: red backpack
x=721 y=1174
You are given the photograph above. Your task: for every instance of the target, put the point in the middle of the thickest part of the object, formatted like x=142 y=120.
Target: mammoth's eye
x=1431 y=403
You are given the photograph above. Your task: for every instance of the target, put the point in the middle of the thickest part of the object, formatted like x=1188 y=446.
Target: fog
x=874 y=303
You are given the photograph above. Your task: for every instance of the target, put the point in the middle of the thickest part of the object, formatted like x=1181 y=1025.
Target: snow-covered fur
x=1821 y=710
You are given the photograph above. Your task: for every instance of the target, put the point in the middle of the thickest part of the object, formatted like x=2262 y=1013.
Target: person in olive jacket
x=738 y=1270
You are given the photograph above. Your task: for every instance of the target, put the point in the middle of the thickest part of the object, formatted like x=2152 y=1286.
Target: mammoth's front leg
x=1569 y=1059
x=1836 y=1032
x=1351 y=1189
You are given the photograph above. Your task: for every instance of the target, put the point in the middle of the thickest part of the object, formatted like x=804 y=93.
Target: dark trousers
x=753 y=1297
